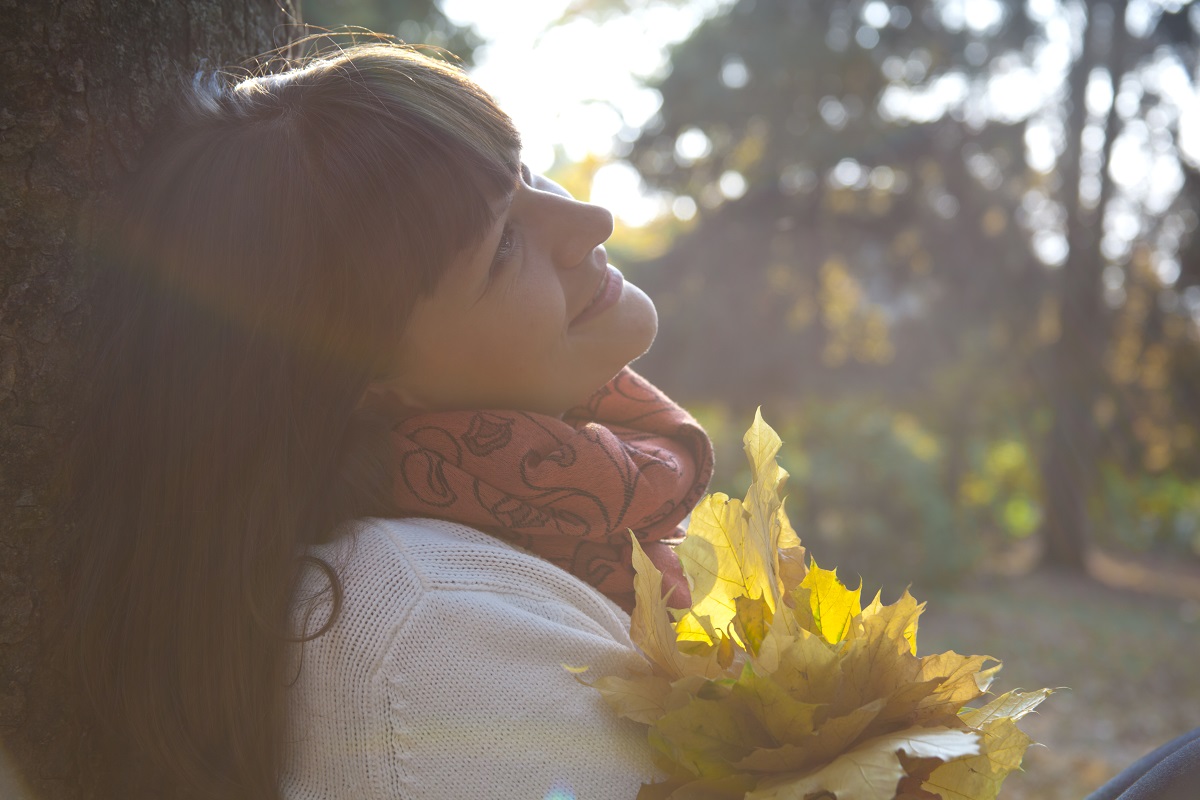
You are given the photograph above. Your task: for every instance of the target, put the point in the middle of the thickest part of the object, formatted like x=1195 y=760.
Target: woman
x=333 y=294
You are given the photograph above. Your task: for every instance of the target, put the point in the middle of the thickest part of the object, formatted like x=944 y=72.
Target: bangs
x=427 y=150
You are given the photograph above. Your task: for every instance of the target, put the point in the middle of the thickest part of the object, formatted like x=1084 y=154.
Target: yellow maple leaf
x=643 y=699
x=979 y=777
x=1002 y=747
x=895 y=621
x=651 y=628
x=770 y=531
x=722 y=560
x=777 y=683
x=1014 y=705
x=808 y=668
x=872 y=770
x=963 y=679
x=839 y=733
x=824 y=605
x=784 y=717
x=738 y=548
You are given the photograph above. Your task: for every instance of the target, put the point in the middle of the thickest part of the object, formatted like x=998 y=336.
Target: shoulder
x=396 y=574
x=387 y=567
x=445 y=668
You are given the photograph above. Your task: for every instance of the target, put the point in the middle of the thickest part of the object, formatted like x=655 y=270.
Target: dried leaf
x=838 y=734
x=1014 y=705
x=872 y=770
x=777 y=683
x=809 y=669
x=650 y=623
x=874 y=667
x=780 y=635
x=787 y=758
x=831 y=607
x=752 y=622
x=792 y=567
x=979 y=777
x=785 y=718
x=642 y=700
x=733 y=787
x=768 y=526
x=723 y=560
x=706 y=736
x=964 y=679
x=896 y=621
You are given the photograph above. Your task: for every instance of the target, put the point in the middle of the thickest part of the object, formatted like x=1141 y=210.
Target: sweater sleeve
x=462 y=692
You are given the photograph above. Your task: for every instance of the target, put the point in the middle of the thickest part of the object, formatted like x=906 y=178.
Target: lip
x=606 y=296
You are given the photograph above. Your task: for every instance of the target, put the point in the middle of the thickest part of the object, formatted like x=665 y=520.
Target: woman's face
x=532 y=318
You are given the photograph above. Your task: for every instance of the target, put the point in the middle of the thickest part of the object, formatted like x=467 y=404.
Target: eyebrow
x=501 y=206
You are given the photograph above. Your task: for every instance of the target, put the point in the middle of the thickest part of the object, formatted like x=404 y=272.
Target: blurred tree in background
x=965 y=223
x=414 y=21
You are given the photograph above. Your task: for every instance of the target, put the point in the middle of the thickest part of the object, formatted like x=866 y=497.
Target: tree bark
x=1069 y=464
x=83 y=83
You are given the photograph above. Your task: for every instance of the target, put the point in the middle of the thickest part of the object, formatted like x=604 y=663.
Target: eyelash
x=507 y=248
x=509 y=244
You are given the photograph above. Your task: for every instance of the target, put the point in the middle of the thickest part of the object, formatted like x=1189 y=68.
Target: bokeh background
x=949 y=247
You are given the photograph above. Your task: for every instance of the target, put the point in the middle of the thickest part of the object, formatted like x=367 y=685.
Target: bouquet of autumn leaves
x=778 y=684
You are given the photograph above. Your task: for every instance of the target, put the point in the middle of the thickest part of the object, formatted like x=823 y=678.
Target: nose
x=578 y=229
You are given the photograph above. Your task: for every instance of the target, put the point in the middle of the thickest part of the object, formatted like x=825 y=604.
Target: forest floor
x=1122 y=642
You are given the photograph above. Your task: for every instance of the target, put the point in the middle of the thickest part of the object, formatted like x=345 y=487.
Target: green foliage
x=1002 y=486
x=868 y=486
x=1145 y=511
x=874 y=489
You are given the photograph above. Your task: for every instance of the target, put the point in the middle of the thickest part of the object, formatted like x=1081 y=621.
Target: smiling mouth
x=607 y=293
x=599 y=290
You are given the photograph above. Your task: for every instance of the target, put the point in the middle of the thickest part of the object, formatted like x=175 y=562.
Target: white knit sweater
x=443 y=676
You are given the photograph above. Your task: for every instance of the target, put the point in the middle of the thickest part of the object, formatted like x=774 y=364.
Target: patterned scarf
x=570 y=489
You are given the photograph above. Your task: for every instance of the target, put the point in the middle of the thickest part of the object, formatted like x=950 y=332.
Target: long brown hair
x=257 y=274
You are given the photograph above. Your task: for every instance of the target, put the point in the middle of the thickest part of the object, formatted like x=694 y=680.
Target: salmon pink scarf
x=570 y=489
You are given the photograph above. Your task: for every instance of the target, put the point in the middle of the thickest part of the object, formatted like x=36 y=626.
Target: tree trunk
x=1069 y=464
x=83 y=82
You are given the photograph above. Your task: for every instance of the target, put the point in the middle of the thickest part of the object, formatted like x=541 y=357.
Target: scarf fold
x=570 y=489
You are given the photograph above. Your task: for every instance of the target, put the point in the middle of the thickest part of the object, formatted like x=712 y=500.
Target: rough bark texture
x=81 y=83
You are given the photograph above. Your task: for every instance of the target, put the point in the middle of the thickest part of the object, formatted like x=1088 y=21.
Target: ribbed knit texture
x=443 y=675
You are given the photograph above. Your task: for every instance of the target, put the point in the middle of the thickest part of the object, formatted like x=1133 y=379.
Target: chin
x=640 y=322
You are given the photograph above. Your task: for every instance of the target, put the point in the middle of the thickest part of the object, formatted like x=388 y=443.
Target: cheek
x=523 y=335
x=537 y=316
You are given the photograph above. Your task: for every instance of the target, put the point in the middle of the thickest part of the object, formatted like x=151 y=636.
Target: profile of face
x=532 y=318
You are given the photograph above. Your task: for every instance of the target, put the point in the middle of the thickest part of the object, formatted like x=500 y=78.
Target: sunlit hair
x=256 y=274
